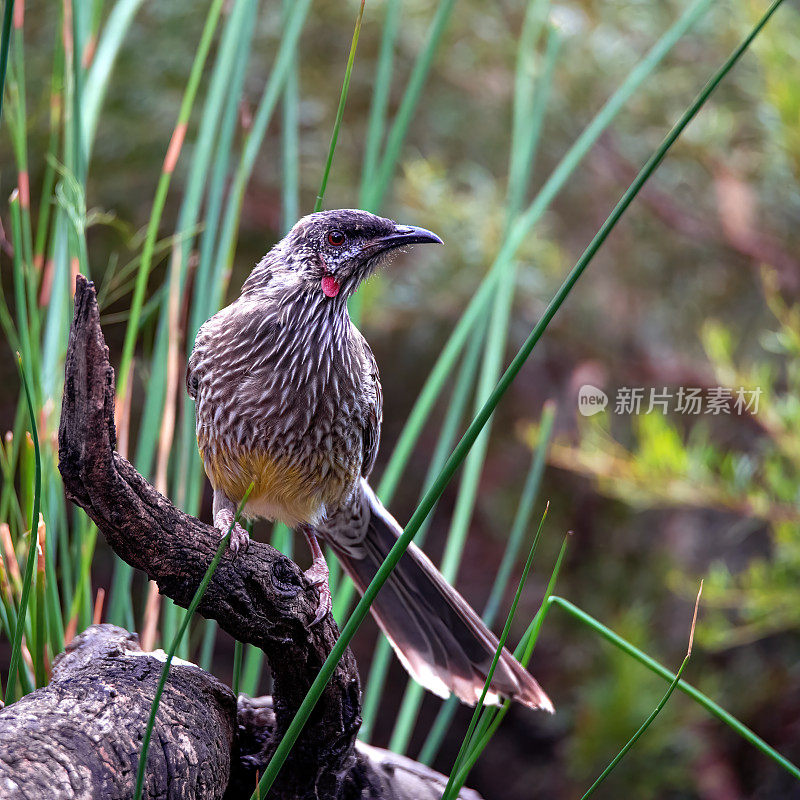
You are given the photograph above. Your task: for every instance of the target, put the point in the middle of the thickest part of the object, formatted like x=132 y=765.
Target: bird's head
x=332 y=252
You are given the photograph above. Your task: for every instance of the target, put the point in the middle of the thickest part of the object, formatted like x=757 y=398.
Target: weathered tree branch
x=80 y=736
x=259 y=597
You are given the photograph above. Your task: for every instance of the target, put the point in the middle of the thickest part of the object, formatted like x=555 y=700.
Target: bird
x=288 y=399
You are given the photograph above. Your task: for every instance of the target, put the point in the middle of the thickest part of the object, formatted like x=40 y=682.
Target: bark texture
x=80 y=736
x=376 y=775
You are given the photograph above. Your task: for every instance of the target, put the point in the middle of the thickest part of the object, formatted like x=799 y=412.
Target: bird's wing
x=195 y=360
x=191 y=374
x=374 y=412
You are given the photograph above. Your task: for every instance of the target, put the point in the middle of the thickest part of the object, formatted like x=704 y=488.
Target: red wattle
x=330 y=286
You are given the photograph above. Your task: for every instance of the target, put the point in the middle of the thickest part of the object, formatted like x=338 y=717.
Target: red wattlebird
x=288 y=398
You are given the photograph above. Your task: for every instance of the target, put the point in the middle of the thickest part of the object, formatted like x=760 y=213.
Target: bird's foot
x=317 y=575
x=240 y=538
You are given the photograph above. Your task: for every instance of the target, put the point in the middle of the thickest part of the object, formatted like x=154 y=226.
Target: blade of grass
x=451 y=790
x=40 y=628
x=238 y=648
x=408 y=105
x=376 y=680
x=189 y=482
x=654 y=666
x=269 y=98
x=11 y=622
x=109 y=43
x=211 y=276
x=529 y=117
x=48 y=182
x=80 y=162
x=219 y=88
x=16 y=648
x=530 y=491
x=522 y=517
x=467 y=490
x=8 y=14
x=20 y=141
x=340 y=110
x=55 y=513
x=290 y=137
x=478 y=423
x=210 y=283
x=233 y=41
x=253 y=667
x=198 y=596
x=20 y=281
x=529 y=111
x=380 y=99
x=372 y=193
x=646 y=724
x=86 y=539
x=207 y=646
x=492 y=718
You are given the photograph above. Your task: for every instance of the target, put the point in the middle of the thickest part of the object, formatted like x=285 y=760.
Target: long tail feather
x=437 y=636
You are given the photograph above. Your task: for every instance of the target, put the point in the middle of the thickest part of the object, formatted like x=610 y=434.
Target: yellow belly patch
x=281 y=490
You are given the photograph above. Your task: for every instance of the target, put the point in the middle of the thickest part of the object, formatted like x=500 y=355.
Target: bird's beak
x=401 y=236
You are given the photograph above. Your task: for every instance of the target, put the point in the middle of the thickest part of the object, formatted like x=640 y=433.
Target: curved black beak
x=400 y=237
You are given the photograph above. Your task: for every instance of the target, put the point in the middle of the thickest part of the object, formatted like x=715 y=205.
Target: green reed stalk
x=492 y=717
x=20 y=144
x=290 y=137
x=408 y=105
x=340 y=110
x=530 y=492
x=109 y=43
x=467 y=741
x=234 y=44
x=171 y=158
x=380 y=100
x=20 y=282
x=8 y=14
x=189 y=480
x=528 y=119
x=528 y=497
x=27 y=581
x=656 y=711
x=39 y=627
x=252 y=145
x=238 y=649
x=376 y=680
x=211 y=280
x=654 y=666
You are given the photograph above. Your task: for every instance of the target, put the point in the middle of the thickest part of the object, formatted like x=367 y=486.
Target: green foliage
x=686 y=461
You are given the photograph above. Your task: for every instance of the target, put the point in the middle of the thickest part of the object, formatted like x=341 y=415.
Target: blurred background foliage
x=697 y=287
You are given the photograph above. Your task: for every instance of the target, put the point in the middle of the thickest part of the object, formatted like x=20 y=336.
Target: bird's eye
x=336 y=238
